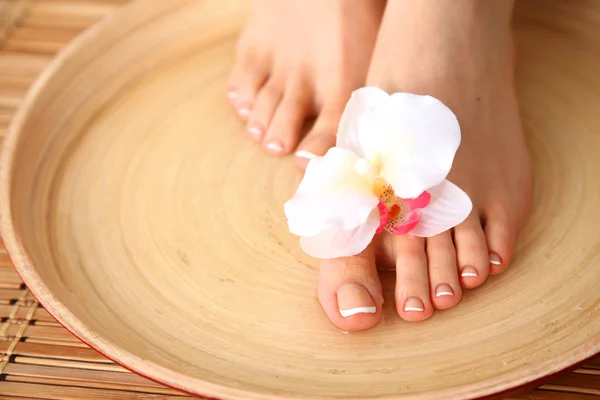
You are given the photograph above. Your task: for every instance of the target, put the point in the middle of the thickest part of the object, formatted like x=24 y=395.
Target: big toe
x=350 y=291
x=322 y=136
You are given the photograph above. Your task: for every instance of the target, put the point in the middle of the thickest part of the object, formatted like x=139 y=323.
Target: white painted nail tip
x=469 y=274
x=413 y=309
x=305 y=154
x=357 y=310
x=244 y=112
x=231 y=95
x=440 y=294
x=254 y=131
x=274 y=147
x=495 y=262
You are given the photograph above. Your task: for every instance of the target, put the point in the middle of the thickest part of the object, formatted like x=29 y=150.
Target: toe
x=247 y=77
x=443 y=276
x=471 y=252
x=285 y=129
x=350 y=291
x=321 y=137
x=265 y=105
x=500 y=235
x=412 y=284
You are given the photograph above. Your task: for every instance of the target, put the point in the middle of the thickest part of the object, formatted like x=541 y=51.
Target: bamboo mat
x=38 y=358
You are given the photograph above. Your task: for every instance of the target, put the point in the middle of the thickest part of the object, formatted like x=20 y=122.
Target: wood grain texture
x=176 y=296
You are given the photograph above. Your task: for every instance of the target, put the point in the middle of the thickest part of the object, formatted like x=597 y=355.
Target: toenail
x=274 y=147
x=443 y=290
x=244 y=112
x=255 y=132
x=305 y=154
x=469 y=272
x=495 y=259
x=414 y=304
x=231 y=95
x=355 y=299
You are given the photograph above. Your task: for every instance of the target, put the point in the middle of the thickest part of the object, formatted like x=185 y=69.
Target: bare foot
x=459 y=51
x=298 y=59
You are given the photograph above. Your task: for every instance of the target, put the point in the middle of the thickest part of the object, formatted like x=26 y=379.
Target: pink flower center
x=398 y=216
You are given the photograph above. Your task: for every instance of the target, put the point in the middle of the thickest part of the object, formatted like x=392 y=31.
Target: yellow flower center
x=379 y=187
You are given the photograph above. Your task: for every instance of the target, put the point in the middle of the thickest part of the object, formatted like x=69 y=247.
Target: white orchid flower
x=387 y=172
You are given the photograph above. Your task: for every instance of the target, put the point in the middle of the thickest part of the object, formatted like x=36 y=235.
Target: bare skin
x=299 y=59
x=460 y=51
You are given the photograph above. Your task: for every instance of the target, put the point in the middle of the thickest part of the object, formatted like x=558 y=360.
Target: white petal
x=331 y=196
x=449 y=207
x=361 y=100
x=413 y=139
x=333 y=243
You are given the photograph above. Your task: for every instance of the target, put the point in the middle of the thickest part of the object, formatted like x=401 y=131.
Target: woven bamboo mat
x=39 y=359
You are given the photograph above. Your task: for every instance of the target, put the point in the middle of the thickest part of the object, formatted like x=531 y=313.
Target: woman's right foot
x=298 y=59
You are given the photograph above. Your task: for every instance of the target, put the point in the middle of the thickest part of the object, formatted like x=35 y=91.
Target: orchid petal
x=419 y=202
x=449 y=207
x=412 y=139
x=384 y=215
x=332 y=195
x=334 y=244
x=361 y=100
x=408 y=224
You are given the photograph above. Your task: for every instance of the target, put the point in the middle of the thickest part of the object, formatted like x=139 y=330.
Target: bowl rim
x=496 y=385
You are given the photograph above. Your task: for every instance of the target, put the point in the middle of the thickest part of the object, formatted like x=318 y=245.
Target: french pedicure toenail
x=443 y=290
x=355 y=299
x=274 y=147
x=469 y=272
x=414 y=304
x=244 y=112
x=305 y=154
x=495 y=259
x=231 y=95
x=255 y=132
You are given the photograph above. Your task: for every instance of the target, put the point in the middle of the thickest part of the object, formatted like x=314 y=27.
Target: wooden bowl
x=146 y=223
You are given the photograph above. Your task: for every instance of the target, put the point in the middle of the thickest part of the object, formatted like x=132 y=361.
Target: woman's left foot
x=299 y=59
x=460 y=51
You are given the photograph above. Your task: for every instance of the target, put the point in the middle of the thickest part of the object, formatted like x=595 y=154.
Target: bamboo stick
x=39 y=40
x=68 y=393
x=17 y=64
x=570 y=389
x=67 y=14
x=550 y=395
x=580 y=381
x=51 y=362
x=588 y=371
x=7 y=296
x=44 y=332
x=92 y=385
x=78 y=374
x=55 y=342
x=59 y=352
x=5 y=261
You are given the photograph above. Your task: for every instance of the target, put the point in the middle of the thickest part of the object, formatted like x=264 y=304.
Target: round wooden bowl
x=152 y=228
